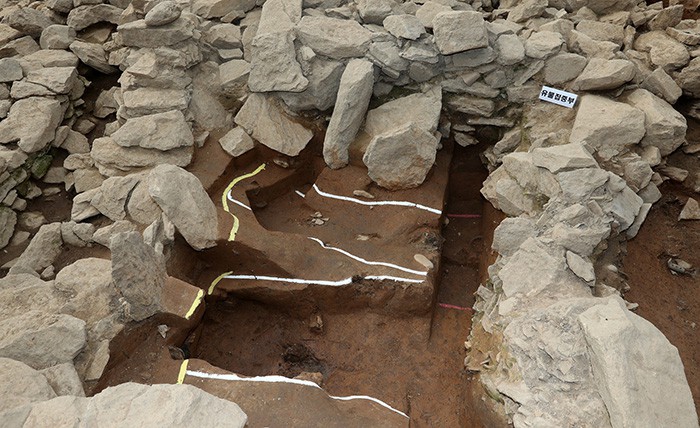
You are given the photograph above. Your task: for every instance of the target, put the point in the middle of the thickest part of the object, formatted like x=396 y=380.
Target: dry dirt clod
x=163 y=330
x=316 y=324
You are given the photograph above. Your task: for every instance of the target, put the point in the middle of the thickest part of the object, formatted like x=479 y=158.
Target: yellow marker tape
x=216 y=281
x=197 y=301
x=183 y=372
x=224 y=199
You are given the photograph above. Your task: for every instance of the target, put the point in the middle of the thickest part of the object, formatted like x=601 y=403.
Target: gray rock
x=471 y=105
x=404 y=26
x=691 y=210
x=689 y=78
x=665 y=127
x=562 y=158
x=421 y=110
x=138 y=274
x=236 y=142
x=581 y=267
x=234 y=77
x=662 y=85
x=8 y=220
x=519 y=277
x=162 y=13
x=59 y=80
x=27 y=20
x=401 y=158
x=375 y=11
x=602 y=74
x=77 y=234
x=224 y=36
x=664 y=50
x=274 y=66
x=141 y=207
x=543 y=44
x=526 y=10
x=113 y=196
x=608 y=126
x=334 y=38
x=140 y=405
x=563 y=67
x=429 y=10
x=162 y=131
x=667 y=17
x=103 y=235
x=42 y=340
x=108 y=154
x=324 y=81
x=32 y=121
x=86 y=179
x=636 y=385
x=82 y=17
x=351 y=104
x=183 y=199
x=602 y=31
x=209 y=9
x=21 y=385
x=459 y=31
x=145 y=101
x=511 y=233
x=82 y=208
x=632 y=231
x=42 y=250
x=263 y=118
x=139 y=34
x=510 y=49
x=64 y=380
x=92 y=54
x=10 y=70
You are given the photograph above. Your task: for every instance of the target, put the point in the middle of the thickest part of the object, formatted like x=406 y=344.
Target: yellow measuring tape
x=224 y=199
x=183 y=372
x=216 y=281
x=197 y=301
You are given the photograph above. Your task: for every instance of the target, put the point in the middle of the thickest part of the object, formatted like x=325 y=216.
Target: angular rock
x=667 y=17
x=140 y=405
x=689 y=78
x=664 y=50
x=108 y=154
x=141 y=35
x=662 y=85
x=274 y=66
x=29 y=21
x=324 y=81
x=32 y=121
x=665 y=127
x=543 y=44
x=41 y=340
x=217 y=8
x=21 y=385
x=224 y=36
x=375 y=11
x=581 y=267
x=141 y=207
x=264 y=119
x=404 y=26
x=89 y=283
x=113 y=195
x=162 y=131
x=10 y=70
x=236 y=142
x=334 y=38
x=138 y=274
x=64 y=380
x=563 y=67
x=59 y=80
x=401 y=159
x=429 y=10
x=607 y=126
x=82 y=17
x=510 y=49
x=162 y=13
x=562 y=158
x=42 y=250
x=421 y=110
x=635 y=384
x=519 y=277
x=602 y=31
x=511 y=233
x=353 y=97
x=8 y=220
x=691 y=210
x=234 y=77
x=103 y=235
x=602 y=74
x=459 y=31
x=185 y=202
x=526 y=10
x=92 y=54
x=77 y=234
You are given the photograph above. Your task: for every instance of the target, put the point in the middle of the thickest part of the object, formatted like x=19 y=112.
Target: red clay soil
x=414 y=363
x=671 y=302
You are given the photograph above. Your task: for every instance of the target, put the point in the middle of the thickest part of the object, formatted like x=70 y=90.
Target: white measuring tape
x=374 y=203
x=339 y=283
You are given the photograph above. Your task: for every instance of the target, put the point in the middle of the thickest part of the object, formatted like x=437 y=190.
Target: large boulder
x=139 y=405
x=89 y=283
x=42 y=250
x=263 y=118
x=162 y=131
x=40 y=339
x=21 y=385
x=401 y=158
x=334 y=38
x=459 y=31
x=602 y=74
x=421 y=109
x=607 y=126
x=185 y=202
x=352 y=100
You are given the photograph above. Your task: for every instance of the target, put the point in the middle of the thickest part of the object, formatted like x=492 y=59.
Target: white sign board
x=556 y=96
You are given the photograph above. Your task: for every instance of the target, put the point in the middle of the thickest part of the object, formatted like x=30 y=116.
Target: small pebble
x=363 y=194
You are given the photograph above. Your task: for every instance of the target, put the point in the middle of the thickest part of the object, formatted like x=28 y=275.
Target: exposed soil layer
x=414 y=363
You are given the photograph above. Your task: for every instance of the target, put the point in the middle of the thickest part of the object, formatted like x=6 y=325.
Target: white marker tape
x=342 y=282
x=282 y=379
x=557 y=96
x=238 y=202
x=300 y=194
x=372 y=203
x=367 y=262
